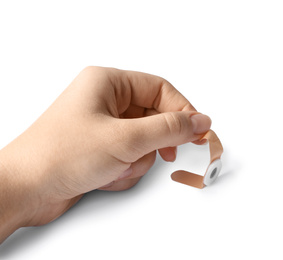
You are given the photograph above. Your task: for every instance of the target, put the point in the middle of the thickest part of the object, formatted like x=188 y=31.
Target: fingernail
x=201 y=123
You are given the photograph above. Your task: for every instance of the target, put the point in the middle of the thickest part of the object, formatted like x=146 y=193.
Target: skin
x=102 y=132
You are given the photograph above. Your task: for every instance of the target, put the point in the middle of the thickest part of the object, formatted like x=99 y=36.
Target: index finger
x=150 y=91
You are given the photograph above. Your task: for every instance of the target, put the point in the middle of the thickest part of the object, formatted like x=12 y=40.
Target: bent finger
x=138 y=169
x=121 y=185
x=168 y=154
x=149 y=91
x=141 y=166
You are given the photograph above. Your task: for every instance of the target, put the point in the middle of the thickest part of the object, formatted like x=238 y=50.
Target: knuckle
x=89 y=69
x=95 y=70
x=174 y=123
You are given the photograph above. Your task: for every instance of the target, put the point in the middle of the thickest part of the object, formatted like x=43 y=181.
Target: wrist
x=15 y=193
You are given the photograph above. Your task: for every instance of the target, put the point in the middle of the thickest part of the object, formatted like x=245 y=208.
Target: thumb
x=166 y=130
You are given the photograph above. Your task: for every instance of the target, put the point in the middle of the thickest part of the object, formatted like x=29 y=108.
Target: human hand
x=102 y=132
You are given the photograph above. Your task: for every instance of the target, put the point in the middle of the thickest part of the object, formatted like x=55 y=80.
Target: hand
x=101 y=133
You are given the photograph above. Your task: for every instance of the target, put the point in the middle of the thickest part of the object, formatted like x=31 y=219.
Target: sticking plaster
x=213 y=169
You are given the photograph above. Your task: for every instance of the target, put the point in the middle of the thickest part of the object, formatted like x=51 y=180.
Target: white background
x=226 y=57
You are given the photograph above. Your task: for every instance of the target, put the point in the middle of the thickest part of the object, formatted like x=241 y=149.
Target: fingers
x=144 y=135
x=121 y=185
x=112 y=91
x=138 y=169
x=142 y=165
x=168 y=154
x=149 y=91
